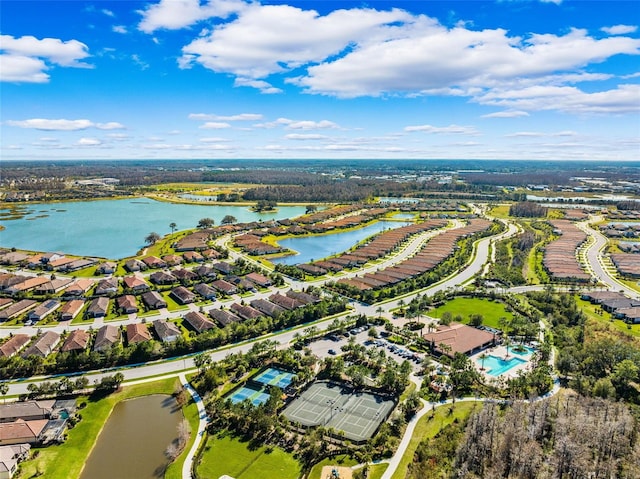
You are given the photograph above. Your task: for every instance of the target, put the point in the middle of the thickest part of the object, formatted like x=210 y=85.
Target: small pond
x=134 y=438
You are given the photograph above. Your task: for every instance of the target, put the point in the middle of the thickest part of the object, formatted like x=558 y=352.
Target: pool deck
x=501 y=352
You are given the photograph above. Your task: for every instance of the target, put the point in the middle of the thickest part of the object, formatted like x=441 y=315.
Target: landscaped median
x=65 y=461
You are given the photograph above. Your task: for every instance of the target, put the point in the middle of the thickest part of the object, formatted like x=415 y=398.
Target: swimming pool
x=528 y=351
x=246 y=393
x=274 y=377
x=496 y=366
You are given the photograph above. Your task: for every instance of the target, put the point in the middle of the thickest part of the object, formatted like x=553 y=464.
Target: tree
x=228 y=220
x=311 y=209
x=476 y=320
x=205 y=223
x=4 y=389
x=202 y=361
x=483 y=356
x=152 y=238
x=173 y=227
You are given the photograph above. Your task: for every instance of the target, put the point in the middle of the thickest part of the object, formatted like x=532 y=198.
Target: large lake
x=134 y=438
x=318 y=247
x=113 y=228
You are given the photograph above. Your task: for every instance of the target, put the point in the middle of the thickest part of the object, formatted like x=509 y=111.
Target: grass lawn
x=228 y=455
x=492 y=311
x=65 y=461
x=428 y=427
x=342 y=460
x=590 y=310
x=501 y=211
x=377 y=470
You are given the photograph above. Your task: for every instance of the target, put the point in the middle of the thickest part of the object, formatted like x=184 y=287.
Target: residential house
x=4 y=302
x=166 y=330
x=43 y=310
x=13 y=345
x=59 y=264
x=54 y=286
x=43 y=345
x=224 y=287
x=127 y=304
x=13 y=258
x=304 y=298
x=16 y=309
x=106 y=337
x=223 y=317
x=285 y=301
x=172 y=259
x=27 y=285
x=206 y=291
x=182 y=295
x=135 y=265
x=184 y=275
x=259 y=279
x=137 y=333
x=268 y=308
x=153 y=300
x=107 y=286
x=79 y=287
x=26 y=410
x=224 y=268
x=154 y=262
x=78 y=264
x=71 y=309
x=245 y=312
x=205 y=271
x=135 y=284
x=198 y=321
x=162 y=278
x=211 y=253
x=10 y=456
x=77 y=340
x=107 y=267
x=193 y=257
x=21 y=431
x=98 y=308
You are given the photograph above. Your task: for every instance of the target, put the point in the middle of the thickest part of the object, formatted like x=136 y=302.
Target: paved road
x=593 y=256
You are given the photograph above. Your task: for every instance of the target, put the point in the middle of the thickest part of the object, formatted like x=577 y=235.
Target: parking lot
x=331 y=345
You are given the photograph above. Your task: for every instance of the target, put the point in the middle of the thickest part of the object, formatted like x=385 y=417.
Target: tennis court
x=274 y=377
x=244 y=393
x=356 y=415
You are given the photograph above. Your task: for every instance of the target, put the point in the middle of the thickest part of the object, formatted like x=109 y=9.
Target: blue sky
x=509 y=79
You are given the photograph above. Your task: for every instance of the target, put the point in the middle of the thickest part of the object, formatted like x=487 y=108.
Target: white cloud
x=88 y=142
x=108 y=13
x=451 y=129
x=300 y=136
x=214 y=125
x=311 y=125
x=214 y=117
x=266 y=39
x=175 y=14
x=26 y=59
x=506 y=114
x=213 y=139
x=526 y=134
x=119 y=29
x=63 y=125
x=619 y=29
x=557 y=2
x=261 y=85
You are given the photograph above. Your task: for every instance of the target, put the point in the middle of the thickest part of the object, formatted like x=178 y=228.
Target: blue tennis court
x=246 y=393
x=274 y=377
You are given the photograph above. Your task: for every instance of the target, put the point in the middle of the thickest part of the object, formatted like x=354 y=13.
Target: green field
x=65 y=461
x=492 y=311
x=228 y=455
x=430 y=426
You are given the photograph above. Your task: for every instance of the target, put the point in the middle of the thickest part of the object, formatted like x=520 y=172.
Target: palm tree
x=173 y=227
x=152 y=238
x=4 y=389
x=483 y=356
x=380 y=310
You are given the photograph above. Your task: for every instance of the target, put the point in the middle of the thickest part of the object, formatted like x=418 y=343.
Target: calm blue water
x=496 y=366
x=528 y=351
x=114 y=228
x=318 y=247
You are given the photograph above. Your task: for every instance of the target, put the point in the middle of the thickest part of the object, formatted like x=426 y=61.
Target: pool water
x=496 y=366
x=528 y=351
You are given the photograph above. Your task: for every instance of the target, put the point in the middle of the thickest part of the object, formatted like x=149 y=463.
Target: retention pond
x=133 y=441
